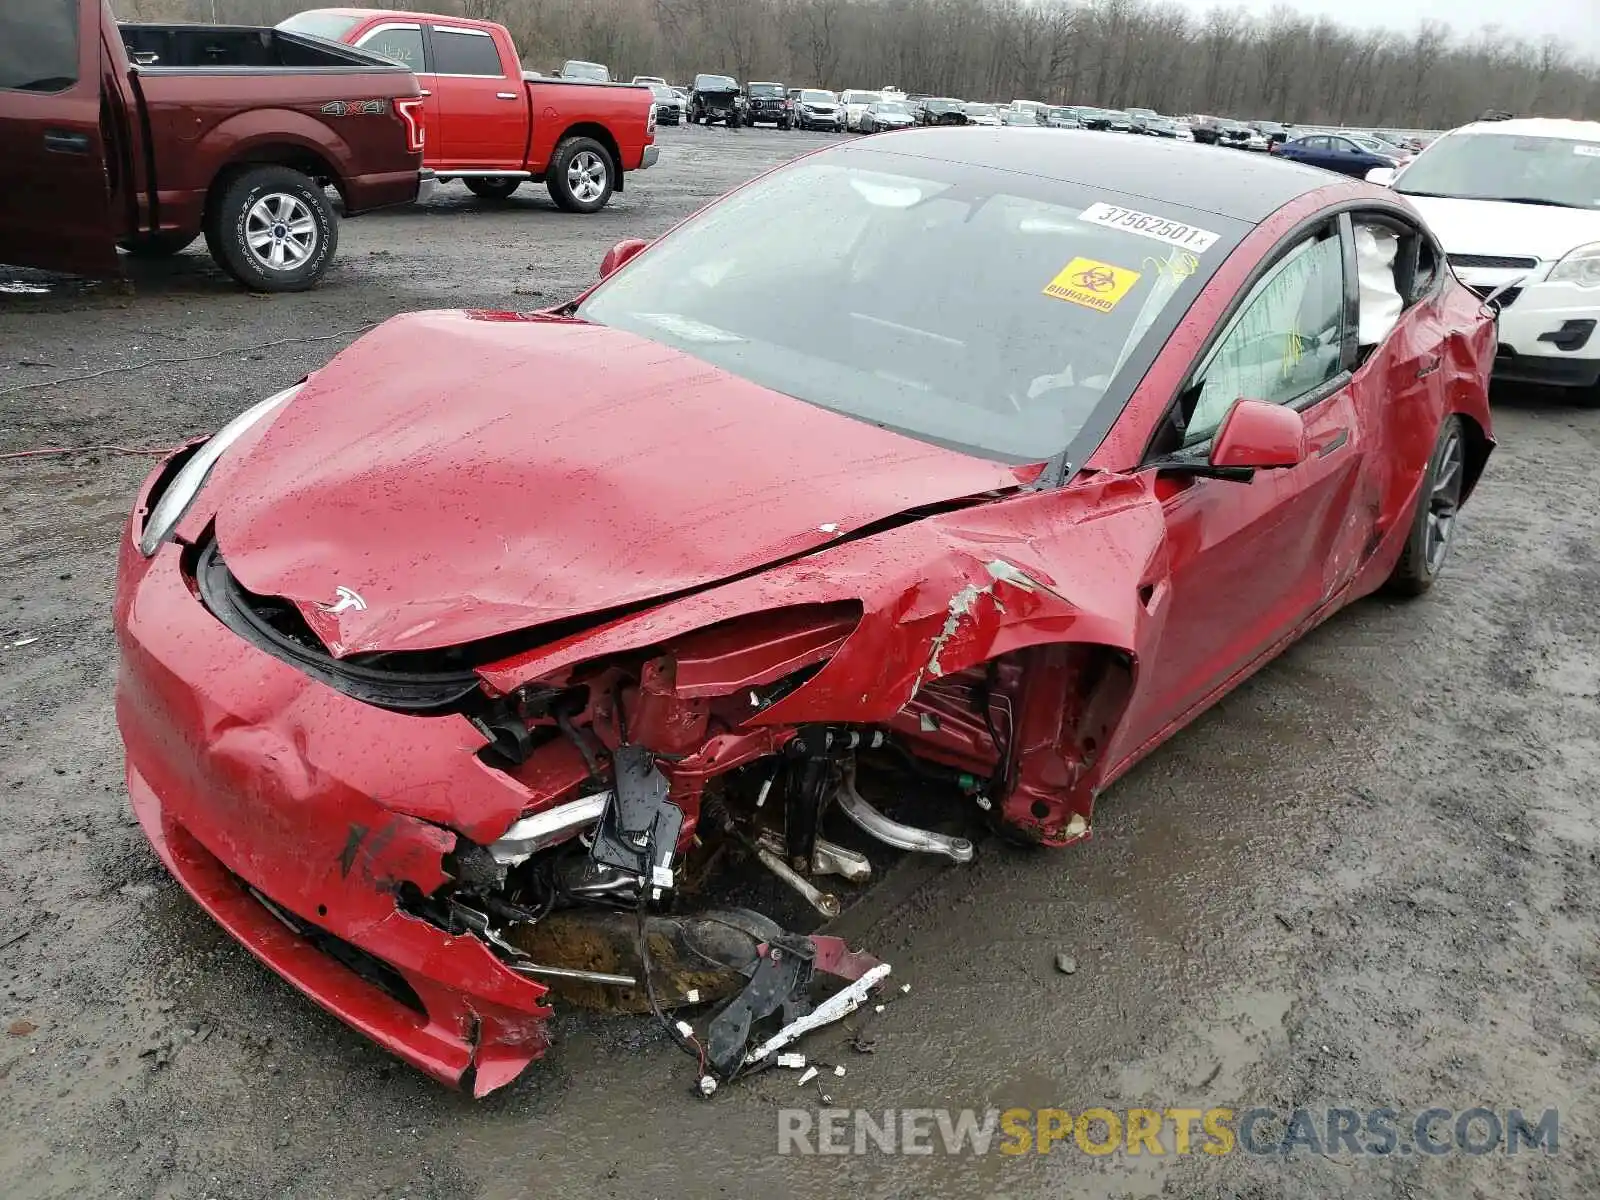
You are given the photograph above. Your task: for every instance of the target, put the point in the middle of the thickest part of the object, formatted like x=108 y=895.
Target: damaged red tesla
x=970 y=463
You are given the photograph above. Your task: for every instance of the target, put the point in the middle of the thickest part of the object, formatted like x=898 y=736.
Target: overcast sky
x=1577 y=22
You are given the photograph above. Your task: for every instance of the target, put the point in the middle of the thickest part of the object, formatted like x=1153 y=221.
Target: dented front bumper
x=246 y=774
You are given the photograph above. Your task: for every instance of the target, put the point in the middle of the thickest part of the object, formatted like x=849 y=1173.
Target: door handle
x=505 y=95
x=424 y=92
x=66 y=143
x=1429 y=367
x=1330 y=444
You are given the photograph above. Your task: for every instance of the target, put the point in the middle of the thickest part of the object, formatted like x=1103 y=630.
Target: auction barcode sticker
x=1162 y=229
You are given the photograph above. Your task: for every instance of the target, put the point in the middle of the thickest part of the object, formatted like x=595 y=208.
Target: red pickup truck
x=146 y=136
x=492 y=125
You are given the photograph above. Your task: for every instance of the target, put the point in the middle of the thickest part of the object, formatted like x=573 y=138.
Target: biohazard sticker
x=1095 y=285
x=1162 y=229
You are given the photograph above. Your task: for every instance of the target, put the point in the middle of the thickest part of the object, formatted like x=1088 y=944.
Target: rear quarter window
x=38 y=45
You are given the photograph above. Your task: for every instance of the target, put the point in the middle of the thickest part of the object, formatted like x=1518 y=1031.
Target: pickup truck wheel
x=273 y=230
x=581 y=175
x=157 y=245
x=492 y=187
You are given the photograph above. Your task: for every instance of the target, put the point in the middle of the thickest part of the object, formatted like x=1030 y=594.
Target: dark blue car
x=1334 y=152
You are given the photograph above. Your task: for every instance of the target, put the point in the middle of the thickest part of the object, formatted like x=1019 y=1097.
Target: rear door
x=483 y=105
x=55 y=203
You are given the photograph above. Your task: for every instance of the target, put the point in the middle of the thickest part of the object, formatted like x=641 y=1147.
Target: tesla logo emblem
x=345 y=600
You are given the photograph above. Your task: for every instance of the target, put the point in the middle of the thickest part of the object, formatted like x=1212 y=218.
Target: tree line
x=1284 y=66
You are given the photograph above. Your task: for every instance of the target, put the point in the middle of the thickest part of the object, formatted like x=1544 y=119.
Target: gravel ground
x=1365 y=879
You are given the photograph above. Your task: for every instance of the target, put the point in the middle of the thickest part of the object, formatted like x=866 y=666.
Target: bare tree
x=1151 y=53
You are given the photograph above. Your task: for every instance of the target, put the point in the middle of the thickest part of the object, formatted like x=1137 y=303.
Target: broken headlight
x=172 y=503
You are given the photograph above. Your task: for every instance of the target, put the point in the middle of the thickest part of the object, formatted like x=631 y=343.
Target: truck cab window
x=399 y=43
x=38 y=45
x=465 y=52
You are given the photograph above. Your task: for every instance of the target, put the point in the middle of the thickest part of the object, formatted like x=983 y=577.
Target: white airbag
x=1380 y=299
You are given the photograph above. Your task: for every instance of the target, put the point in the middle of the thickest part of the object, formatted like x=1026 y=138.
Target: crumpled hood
x=463 y=475
x=1515 y=230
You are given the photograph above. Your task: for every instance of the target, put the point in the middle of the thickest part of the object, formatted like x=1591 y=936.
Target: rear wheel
x=492 y=187
x=1433 y=525
x=273 y=230
x=581 y=176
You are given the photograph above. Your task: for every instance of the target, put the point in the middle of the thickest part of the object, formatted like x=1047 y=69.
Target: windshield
x=813 y=96
x=1141 y=112
x=890 y=106
x=662 y=92
x=330 y=25
x=971 y=308
x=1564 y=172
x=765 y=89
x=586 y=70
x=1161 y=123
x=714 y=83
x=860 y=97
x=981 y=110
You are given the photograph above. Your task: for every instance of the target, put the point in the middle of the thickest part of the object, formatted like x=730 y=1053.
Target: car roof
x=1550 y=127
x=1155 y=168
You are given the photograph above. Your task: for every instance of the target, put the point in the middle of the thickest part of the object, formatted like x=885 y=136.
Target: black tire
x=1433 y=524
x=579 y=166
x=240 y=216
x=492 y=187
x=158 y=245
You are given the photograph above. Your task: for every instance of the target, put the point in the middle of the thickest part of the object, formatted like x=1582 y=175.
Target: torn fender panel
x=937 y=595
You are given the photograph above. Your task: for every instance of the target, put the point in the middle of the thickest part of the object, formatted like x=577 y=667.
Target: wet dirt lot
x=1366 y=879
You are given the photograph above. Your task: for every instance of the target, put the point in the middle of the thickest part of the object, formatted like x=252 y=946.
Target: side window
x=1282 y=343
x=38 y=45
x=1397 y=266
x=1314 y=143
x=1344 y=145
x=465 y=52
x=402 y=45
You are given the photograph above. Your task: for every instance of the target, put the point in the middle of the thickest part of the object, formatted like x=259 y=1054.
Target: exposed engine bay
x=665 y=779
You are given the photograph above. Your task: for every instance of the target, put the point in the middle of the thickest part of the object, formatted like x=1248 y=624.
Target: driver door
x=55 y=207
x=1249 y=563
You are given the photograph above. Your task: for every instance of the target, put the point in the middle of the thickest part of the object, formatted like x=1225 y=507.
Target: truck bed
x=154 y=47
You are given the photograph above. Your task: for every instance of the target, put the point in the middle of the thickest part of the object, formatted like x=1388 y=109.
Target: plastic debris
x=811 y=1073
x=708 y=1085
x=839 y=1071
x=686 y=1029
x=792 y=1060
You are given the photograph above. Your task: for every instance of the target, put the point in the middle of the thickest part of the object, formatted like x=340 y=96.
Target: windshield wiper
x=1540 y=200
x=1534 y=200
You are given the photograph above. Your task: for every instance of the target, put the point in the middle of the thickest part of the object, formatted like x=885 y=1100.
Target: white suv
x=1516 y=204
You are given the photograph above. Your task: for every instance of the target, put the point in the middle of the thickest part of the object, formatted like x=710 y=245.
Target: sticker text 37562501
x=1162 y=229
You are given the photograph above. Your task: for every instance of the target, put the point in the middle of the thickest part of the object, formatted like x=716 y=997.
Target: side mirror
x=620 y=254
x=1259 y=436
x=1382 y=176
